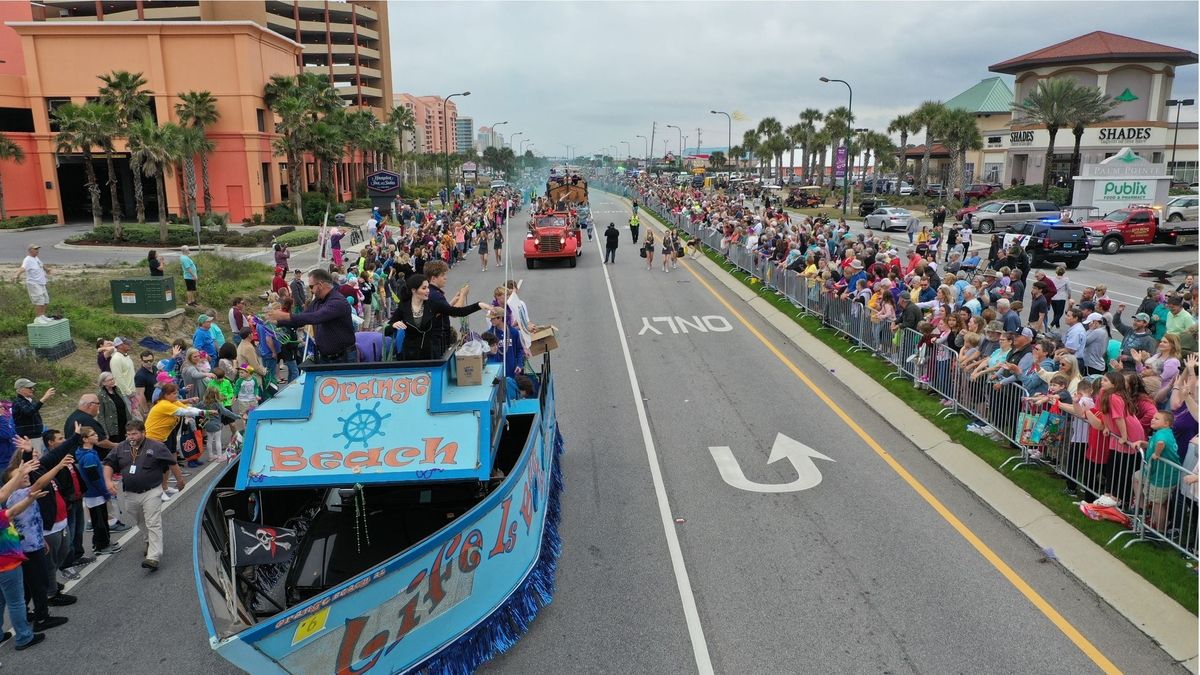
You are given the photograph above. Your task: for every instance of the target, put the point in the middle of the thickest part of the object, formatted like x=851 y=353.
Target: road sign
x=800 y=455
x=383 y=181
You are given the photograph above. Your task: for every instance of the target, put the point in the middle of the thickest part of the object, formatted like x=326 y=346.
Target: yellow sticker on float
x=310 y=626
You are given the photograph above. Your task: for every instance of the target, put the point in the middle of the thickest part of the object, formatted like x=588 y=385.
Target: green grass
x=1159 y=564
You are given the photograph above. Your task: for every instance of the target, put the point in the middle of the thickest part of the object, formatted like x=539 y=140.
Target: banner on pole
x=839 y=163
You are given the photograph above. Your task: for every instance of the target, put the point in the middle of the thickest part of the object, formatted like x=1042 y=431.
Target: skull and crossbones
x=266 y=540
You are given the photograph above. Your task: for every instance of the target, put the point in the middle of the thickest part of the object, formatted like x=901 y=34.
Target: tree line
x=1054 y=104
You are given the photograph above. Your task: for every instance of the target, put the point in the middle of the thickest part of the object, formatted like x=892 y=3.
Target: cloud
x=593 y=74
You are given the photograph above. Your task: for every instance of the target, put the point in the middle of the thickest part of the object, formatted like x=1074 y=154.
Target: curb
x=1153 y=612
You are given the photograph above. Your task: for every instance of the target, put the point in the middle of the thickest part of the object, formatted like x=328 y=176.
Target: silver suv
x=1000 y=215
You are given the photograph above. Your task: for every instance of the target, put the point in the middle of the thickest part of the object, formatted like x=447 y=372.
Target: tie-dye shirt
x=11 y=555
x=28 y=522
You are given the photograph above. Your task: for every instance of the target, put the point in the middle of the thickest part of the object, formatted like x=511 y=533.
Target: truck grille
x=549 y=245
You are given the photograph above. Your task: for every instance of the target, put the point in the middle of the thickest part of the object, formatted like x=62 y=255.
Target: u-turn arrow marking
x=800 y=455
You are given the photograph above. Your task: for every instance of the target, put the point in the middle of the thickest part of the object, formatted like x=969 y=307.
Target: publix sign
x=1111 y=192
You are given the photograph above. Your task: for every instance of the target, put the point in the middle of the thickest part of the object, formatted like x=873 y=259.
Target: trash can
x=143 y=295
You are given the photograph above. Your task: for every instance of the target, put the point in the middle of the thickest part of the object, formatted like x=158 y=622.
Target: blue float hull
x=447 y=603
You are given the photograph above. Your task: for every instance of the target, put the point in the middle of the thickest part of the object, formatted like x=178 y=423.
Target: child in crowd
x=40 y=581
x=216 y=416
x=1163 y=478
x=1086 y=453
x=222 y=385
x=248 y=390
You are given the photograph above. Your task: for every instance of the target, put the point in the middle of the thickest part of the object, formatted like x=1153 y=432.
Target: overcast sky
x=593 y=74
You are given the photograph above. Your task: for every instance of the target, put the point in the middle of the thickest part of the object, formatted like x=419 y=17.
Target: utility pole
x=653 y=129
x=697 y=140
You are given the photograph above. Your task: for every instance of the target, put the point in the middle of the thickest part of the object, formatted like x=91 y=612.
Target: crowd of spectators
x=975 y=321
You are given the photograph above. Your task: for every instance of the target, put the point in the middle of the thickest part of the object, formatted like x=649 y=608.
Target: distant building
x=463 y=127
x=432 y=131
x=1137 y=74
x=347 y=41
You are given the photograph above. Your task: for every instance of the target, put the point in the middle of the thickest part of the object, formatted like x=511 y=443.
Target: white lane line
x=134 y=530
x=682 y=581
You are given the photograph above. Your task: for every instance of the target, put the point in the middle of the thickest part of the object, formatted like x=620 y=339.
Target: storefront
x=1136 y=74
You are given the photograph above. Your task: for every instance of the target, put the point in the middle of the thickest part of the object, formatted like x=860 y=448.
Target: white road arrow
x=800 y=455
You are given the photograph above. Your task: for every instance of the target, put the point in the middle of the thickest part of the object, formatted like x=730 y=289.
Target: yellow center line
x=984 y=550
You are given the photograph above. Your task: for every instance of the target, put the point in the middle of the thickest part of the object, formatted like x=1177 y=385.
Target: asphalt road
x=855 y=574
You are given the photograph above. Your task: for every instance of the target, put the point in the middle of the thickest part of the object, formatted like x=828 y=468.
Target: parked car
x=977 y=190
x=935 y=190
x=887 y=218
x=906 y=189
x=1183 y=208
x=1000 y=215
x=1049 y=242
x=869 y=206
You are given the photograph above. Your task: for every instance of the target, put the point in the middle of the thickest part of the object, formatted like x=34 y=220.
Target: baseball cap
x=118 y=341
x=994 y=327
x=1094 y=316
x=24 y=382
x=33 y=246
x=1174 y=300
x=1027 y=332
x=202 y=318
x=1141 y=316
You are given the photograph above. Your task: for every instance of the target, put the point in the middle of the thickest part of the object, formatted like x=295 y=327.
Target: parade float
x=383 y=518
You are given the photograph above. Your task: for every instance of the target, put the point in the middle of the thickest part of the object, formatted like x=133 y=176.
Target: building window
x=266 y=182
x=16 y=119
x=53 y=104
x=1156 y=158
x=1183 y=171
x=992 y=171
x=261 y=116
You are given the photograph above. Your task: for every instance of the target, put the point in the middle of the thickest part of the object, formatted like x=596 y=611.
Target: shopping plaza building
x=52 y=53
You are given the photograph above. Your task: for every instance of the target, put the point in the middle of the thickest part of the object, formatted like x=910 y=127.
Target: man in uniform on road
x=635 y=226
x=143 y=464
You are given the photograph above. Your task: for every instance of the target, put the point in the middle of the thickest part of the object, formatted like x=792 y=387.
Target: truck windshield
x=1118 y=216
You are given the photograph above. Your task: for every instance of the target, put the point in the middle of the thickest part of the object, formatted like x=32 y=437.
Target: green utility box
x=146 y=296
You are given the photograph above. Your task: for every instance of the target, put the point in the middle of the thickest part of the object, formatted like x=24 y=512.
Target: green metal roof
x=989 y=96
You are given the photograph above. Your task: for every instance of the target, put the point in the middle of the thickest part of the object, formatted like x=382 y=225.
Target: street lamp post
x=445 y=140
x=628 y=153
x=647 y=144
x=1178 y=103
x=672 y=126
x=845 y=172
x=728 y=129
x=493 y=132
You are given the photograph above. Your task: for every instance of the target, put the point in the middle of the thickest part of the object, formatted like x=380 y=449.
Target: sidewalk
x=1152 y=611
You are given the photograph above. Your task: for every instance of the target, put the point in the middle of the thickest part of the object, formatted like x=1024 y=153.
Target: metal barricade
x=909 y=356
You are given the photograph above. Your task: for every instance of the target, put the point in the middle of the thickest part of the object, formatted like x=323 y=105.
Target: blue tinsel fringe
x=500 y=631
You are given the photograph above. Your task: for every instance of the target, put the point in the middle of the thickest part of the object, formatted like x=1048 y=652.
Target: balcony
x=347 y=50
x=284 y=25
x=351 y=71
x=351 y=92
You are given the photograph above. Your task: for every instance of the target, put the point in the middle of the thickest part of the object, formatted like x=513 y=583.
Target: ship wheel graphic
x=362 y=425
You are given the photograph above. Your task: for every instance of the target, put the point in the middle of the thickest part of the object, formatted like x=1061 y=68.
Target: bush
x=178 y=235
x=280 y=214
x=360 y=203
x=420 y=190
x=1057 y=195
x=21 y=222
x=298 y=238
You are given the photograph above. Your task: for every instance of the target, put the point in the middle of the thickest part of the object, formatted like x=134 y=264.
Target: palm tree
x=83 y=127
x=926 y=117
x=199 y=109
x=795 y=136
x=300 y=102
x=9 y=152
x=735 y=153
x=808 y=122
x=838 y=124
x=716 y=159
x=959 y=133
x=903 y=125
x=155 y=149
x=820 y=142
x=768 y=127
x=190 y=141
x=749 y=144
x=124 y=92
x=1090 y=107
x=1049 y=105
x=402 y=119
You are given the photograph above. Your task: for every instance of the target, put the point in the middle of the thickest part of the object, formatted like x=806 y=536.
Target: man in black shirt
x=144 y=378
x=1039 y=306
x=89 y=405
x=611 y=238
x=143 y=463
x=329 y=315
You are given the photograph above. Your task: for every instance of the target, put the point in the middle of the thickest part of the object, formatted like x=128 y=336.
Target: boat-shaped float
x=415 y=518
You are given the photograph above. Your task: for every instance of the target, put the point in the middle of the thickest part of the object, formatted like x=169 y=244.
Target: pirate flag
x=255 y=544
